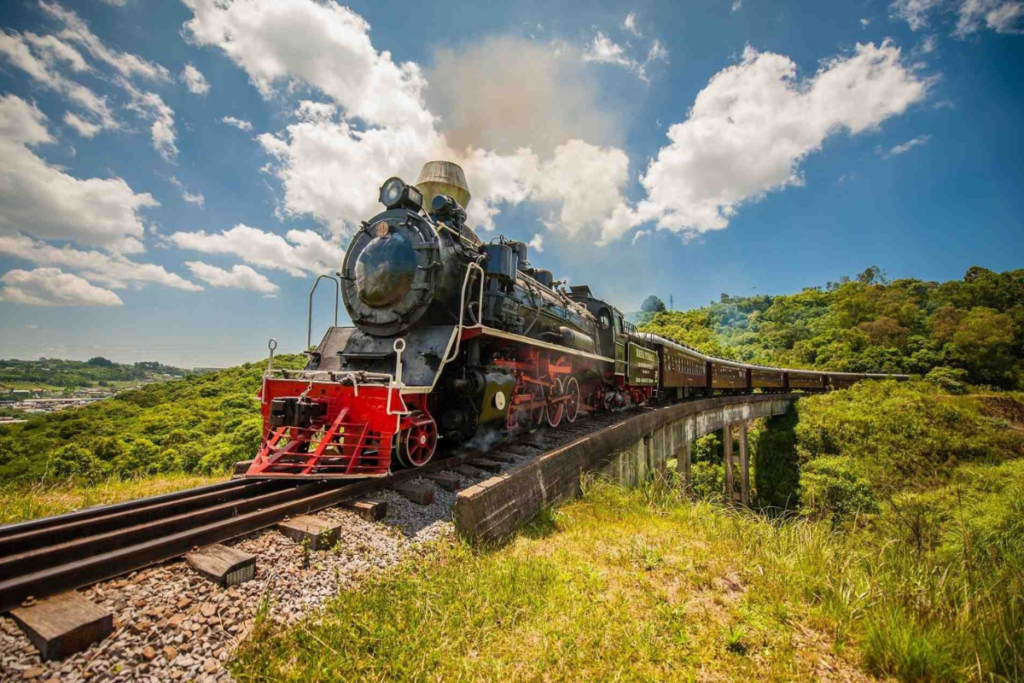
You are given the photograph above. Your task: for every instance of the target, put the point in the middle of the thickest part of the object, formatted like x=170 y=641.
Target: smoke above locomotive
x=453 y=337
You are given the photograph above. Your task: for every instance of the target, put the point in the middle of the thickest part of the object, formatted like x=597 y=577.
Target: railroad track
x=46 y=556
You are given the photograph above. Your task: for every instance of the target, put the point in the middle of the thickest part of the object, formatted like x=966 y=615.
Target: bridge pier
x=737 y=466
x=629 y=452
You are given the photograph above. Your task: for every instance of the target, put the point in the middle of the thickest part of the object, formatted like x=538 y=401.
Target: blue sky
x=175 y=175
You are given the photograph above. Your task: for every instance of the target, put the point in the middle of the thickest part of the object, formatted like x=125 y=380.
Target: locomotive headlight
x=395 y=193
x=391 y=192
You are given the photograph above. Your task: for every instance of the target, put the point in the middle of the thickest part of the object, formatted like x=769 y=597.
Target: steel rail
x=99 y=511
x=85 y=560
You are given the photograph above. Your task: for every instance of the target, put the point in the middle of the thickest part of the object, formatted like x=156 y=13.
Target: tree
x=652 y=304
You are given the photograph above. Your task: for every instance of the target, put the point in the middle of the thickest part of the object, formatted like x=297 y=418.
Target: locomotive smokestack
x=443 y=177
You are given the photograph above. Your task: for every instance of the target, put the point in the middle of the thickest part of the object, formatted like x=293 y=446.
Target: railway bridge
x=628 y=451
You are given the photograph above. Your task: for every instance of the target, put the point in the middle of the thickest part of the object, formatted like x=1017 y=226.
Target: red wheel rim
x=572 y=406
x=554 y=411
x=419 y=441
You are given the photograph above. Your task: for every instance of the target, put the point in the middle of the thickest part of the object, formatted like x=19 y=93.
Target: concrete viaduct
x=628 y=452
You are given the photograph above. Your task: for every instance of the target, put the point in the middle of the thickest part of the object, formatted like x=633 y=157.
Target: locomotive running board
x=476 y=330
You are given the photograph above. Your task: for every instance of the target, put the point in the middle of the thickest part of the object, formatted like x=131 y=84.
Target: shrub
x=708 y=479
x=953 y=380
x=76 y=463
x=831 y=488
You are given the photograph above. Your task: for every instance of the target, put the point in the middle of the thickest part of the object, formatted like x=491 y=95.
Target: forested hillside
x=199 y=424
x=72 y=374
x=971 y=329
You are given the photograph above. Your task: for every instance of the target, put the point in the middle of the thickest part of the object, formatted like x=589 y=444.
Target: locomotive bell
x=443 y=178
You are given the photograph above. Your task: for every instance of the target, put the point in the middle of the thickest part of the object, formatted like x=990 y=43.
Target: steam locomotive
x=453 y=338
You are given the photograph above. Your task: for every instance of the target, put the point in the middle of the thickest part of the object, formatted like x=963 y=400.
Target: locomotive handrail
x=309 y=309
x=462 y=313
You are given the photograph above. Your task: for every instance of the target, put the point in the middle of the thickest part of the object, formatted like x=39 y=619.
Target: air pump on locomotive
x=453 y=337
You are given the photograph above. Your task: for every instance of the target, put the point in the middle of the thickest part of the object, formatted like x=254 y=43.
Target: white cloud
x=658 y=52
x=194 y=80
x=16 y=48
x=865 y=22
x=152 y=107
x=52 y=50
x=84 y=128
x=1001 y=16
x=537 y=243
x=332 y=171
x=737 y=5
x=52 y=287
x=580 y=184
x=754 y=123
x=113 y=270
x=77 y=31
x=327 y=46
x=298 y=253
x=929 y=45
x=116 y=3
x=44 y=200
x=604 y=50
x=914 y=12
x=196 y=198
x=907 y=146
x=237 y=123
x=239 y=277
x=629 y=24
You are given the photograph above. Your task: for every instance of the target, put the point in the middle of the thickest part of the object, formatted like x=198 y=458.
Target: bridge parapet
x=629 y=452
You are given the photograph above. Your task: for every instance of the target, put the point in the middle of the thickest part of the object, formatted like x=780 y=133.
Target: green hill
x=72 y=374
x=970 y=330
x=202 y=424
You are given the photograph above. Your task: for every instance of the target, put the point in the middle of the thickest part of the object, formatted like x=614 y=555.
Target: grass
x=622 y=585
x=640 y=585
x=18 y=504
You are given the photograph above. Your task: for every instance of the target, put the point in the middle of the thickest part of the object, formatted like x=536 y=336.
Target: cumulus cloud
x=196 y=198
x=298 y=253
x=237 y=123
x=18 y=50
x=84 y=128
x=44 y=200
x=1001 y=16
x=537 y=243
x=77 y=31
x=323 y=45
x=754 y=123
x=239 y=277
x=53 y=50
x=331 y=170
x=603 y=50
x=746 y=135
x=52 y=287
x=113 y=270
x=194 y=80
x=152 y=107
x=629 y=24
x=907 y=146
